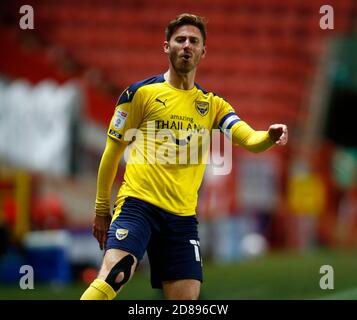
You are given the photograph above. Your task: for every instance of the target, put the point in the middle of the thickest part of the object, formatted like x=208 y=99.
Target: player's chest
x=180 y=113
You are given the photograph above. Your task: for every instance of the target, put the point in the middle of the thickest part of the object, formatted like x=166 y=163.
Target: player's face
x=185 y=48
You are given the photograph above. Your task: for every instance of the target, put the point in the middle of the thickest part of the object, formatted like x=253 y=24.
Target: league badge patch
x=119 y=119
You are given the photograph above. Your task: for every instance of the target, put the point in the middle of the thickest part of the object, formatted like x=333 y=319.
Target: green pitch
x=274 y=276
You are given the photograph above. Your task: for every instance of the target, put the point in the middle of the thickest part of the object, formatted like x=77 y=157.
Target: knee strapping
x=124 y=265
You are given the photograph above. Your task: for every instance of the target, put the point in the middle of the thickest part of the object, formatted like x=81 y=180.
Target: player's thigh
x=130 y=231
x=111 y=258
x=174 y=258
x=183 y=289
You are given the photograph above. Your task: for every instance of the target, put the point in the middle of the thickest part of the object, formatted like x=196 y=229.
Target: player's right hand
x=100 y=229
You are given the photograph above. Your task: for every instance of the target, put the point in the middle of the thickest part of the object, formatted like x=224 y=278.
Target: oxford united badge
x=121 y=234
x=202 y=107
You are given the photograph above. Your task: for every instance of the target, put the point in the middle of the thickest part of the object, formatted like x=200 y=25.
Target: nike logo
x=162 y=102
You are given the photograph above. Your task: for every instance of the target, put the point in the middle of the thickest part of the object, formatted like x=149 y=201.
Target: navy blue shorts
x=171 y=241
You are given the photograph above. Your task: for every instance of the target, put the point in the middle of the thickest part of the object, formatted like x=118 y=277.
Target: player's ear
x=203 y=52
x=166 y=47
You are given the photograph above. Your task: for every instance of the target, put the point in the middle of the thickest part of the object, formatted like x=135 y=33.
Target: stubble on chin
x=181 y=67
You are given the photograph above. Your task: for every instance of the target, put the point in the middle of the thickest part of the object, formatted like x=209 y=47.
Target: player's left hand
x=100 y=228
x=279 y=134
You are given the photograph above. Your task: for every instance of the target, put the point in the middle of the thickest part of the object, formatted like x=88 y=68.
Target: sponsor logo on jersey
x=181 y=118
x=121 y=234
x=202 y=107
x=178 y=125
x=119 y=119
x=115 y=134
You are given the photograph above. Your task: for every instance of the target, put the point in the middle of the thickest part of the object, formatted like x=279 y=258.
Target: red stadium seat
x=254 y=47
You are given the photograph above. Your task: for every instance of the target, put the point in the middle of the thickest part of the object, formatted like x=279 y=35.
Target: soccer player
x=155 y=209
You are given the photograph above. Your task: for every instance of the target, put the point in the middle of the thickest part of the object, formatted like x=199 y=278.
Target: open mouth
x=186 y=57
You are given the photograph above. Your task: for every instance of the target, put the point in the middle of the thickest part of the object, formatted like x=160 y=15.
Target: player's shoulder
x=204 y=91
x=209 y=94
x=129 y=93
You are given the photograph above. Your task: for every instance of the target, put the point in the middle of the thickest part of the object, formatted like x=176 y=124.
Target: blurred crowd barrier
x=37 y=125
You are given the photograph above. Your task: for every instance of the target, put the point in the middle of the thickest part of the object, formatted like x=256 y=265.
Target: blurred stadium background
x=266 y=228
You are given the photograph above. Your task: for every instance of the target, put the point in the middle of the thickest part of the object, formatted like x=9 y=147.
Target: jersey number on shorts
x=196 y=245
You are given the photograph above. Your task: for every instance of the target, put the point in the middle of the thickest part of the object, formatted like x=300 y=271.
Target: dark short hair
x=186 y=19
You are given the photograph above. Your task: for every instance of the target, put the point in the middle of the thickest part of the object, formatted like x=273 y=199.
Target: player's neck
x=180 y=81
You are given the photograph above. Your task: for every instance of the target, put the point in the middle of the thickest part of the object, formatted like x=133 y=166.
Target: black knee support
x=124 y=265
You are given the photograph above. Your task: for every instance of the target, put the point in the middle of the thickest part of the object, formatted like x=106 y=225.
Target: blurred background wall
x=270 y=59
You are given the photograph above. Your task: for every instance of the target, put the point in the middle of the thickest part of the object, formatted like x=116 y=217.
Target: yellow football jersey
x=166 y=128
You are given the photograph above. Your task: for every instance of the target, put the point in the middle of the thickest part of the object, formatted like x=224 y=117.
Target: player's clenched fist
x=279 y=134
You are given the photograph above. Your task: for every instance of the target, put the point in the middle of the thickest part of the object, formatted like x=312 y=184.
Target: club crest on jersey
x=121 y=234
x=119 y=119
x=202 y=107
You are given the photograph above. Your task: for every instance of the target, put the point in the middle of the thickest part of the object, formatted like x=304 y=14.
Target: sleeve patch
x=119 y=119
x=115 y=134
